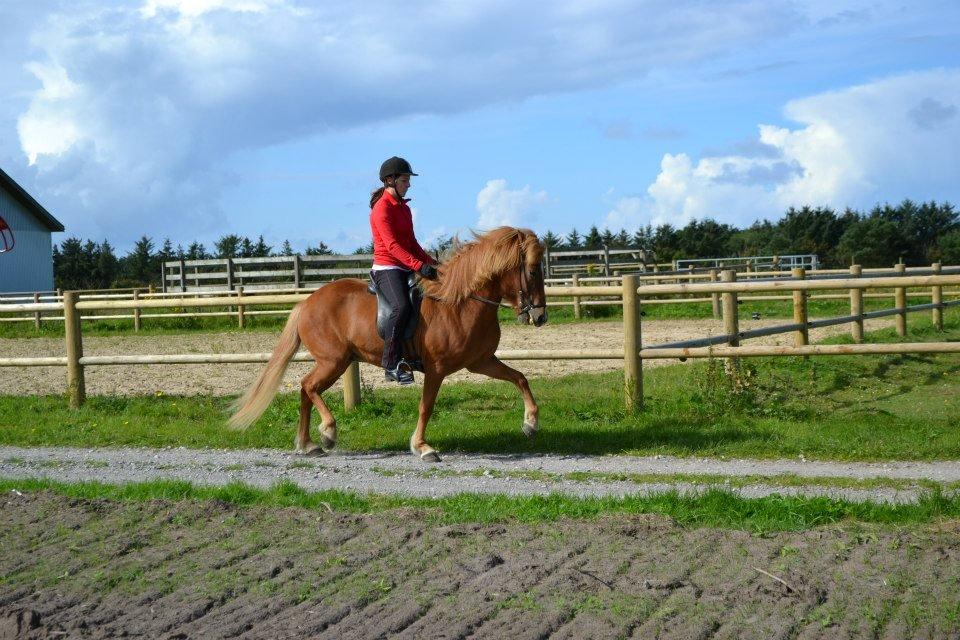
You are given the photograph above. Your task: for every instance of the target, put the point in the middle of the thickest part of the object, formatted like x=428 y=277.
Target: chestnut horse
x=458 y=329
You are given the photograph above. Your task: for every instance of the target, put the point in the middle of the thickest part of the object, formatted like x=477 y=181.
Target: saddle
x=406 y=334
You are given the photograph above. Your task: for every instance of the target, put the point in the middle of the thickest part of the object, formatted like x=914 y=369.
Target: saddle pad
x=384 y=308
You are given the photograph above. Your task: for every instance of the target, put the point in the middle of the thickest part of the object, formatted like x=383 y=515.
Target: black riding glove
x=428 y=271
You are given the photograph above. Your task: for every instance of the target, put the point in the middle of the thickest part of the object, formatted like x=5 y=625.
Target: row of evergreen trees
x=88 y=265
x=917 y=233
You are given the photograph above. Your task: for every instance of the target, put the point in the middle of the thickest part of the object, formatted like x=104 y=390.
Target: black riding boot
x=392 y=284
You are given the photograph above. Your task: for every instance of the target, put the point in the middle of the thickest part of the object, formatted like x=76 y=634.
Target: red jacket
x=393 y=241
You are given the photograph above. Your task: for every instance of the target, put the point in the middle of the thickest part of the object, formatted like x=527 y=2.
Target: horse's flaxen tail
x=255 y=401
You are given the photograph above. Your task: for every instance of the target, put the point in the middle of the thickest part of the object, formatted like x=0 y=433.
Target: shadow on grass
x=658 y=435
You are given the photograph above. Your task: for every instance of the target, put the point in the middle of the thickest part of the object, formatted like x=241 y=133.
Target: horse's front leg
x=496 y=369
x=418 y=445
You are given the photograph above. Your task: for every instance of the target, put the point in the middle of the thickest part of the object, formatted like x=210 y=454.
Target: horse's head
x=503 y=263
x=527 y=290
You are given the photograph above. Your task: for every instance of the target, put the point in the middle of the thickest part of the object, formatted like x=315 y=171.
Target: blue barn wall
x=29 y=267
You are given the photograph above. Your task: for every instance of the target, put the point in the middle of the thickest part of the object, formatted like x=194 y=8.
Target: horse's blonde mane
x=475 y=264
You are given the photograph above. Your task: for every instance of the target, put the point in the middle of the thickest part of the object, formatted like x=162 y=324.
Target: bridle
x=524 y=301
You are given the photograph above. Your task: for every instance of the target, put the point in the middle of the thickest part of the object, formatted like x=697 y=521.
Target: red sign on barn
x=6 y=237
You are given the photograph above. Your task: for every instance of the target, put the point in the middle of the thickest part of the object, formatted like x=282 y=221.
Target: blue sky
x=189 y=119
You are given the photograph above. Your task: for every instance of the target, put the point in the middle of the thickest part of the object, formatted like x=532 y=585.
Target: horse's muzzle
x=539 y=319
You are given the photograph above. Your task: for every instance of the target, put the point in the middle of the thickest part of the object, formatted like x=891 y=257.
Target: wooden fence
x=577 y=301
x=225 y=274
x=631 y=294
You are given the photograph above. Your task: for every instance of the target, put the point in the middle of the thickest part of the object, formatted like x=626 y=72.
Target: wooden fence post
x=800 y=316
x=900 y=301
x=230 y=274
x=296 y=272
x=241 y=317
x=937 y=299
x=136 y=311
x=606 y=261
x=183 y=275
x=715 y=297
x=856 y=306
x=731 y=320
x=351 y=386
x=546 y=260
x=36 y=315
x=74 y=343
x=576 y=299
x=632 y=364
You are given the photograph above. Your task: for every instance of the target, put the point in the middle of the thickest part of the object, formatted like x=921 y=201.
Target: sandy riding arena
x=233 y=378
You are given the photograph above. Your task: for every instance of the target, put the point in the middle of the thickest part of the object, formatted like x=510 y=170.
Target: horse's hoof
x=430 y=456
x=327 y=442
x=529 y=430
x=312 y=451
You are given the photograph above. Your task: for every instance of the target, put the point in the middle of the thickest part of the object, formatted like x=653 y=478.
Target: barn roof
x=31 y=205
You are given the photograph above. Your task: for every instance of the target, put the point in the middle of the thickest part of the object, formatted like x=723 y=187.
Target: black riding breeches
x=392 y=284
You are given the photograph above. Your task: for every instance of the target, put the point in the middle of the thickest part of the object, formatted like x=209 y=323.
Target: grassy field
x=832 y=408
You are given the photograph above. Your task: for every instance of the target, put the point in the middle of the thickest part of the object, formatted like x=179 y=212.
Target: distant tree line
x=917 y=233
x=79 y=264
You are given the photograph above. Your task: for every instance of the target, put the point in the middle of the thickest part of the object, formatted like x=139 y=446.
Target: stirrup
x=402 y=373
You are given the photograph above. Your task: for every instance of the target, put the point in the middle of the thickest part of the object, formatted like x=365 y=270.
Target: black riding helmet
x=395 y=166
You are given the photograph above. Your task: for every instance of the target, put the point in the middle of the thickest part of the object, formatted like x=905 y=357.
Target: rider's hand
x=428 y=271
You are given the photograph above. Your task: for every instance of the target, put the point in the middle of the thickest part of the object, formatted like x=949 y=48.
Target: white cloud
x=499 y=205
x=884 y=141
x=138 y=106
x=194 y=8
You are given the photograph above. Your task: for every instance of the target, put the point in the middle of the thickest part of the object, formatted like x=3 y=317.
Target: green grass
x=714 y=508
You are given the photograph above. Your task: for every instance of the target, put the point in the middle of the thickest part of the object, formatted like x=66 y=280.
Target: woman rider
x=396 y=253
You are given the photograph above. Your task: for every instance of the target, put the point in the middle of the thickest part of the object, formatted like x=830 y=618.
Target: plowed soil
x=97 y=569
x=211 y=379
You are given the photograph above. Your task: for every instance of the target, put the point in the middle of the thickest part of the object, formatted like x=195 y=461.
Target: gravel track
x=394 y=473
x=231 y=379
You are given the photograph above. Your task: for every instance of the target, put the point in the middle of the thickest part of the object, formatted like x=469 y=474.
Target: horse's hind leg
x=496 y=369
x=312 y=386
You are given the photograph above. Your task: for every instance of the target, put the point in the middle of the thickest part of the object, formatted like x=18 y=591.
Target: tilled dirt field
x=234 y=378
x=98 y=569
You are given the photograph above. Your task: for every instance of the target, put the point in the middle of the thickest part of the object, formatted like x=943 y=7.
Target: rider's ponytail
x=376 y=195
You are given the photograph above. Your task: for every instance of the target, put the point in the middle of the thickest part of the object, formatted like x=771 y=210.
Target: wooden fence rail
x=630 y=294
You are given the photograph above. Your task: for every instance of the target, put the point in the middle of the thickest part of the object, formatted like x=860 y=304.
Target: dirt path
x=80 y=568
x=234 y=378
